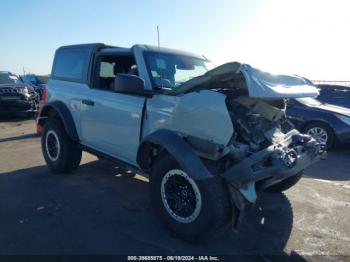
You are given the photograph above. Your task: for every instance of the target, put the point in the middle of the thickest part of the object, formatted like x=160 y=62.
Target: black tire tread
x=70 y=155
x=213 y=190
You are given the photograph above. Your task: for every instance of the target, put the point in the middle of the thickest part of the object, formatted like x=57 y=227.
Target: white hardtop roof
x=150 y=48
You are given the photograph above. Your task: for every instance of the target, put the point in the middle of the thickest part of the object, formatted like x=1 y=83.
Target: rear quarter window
x=71 y=65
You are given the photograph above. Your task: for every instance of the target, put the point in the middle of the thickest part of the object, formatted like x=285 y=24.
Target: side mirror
x=130 y=84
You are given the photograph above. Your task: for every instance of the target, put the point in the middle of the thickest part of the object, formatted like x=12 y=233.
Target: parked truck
x=209 y=140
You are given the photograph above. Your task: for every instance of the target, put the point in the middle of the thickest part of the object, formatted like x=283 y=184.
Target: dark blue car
x=326 y=122
x=335 y=94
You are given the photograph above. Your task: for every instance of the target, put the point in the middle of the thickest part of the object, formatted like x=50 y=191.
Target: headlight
x=344 y=119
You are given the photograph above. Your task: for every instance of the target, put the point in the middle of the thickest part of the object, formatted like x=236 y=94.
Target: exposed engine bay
x=255 y=118
x=265 y=146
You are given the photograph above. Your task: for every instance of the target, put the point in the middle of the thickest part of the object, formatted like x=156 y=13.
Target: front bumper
x=18 y=106
x=275 y=163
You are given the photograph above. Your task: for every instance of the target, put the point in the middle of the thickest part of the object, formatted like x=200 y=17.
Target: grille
x=10 y=90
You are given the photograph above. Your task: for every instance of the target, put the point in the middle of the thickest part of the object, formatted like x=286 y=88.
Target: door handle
x=88 y=102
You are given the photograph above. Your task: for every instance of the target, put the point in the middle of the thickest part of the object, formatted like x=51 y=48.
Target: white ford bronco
x=209 y=140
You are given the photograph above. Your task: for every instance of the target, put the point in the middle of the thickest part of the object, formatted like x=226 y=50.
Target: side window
x=108 y=66
x=71 y=65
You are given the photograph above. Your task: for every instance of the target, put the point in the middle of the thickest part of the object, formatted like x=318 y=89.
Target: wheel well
x=49 y=112
x=179 y=149
x=59 y=111
x=146 y=154
x=314 y=122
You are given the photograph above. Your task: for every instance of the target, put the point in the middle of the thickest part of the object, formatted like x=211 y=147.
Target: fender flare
x=62 y=111
x=177 y=148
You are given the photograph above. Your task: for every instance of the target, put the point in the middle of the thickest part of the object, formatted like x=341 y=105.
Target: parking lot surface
x=102 y=209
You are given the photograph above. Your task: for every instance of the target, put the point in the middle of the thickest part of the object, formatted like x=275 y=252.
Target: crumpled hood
x=258 y=83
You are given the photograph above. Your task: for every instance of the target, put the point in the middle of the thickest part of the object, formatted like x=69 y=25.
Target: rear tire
x=285 y=184
x=193 y=210
x=62 y=155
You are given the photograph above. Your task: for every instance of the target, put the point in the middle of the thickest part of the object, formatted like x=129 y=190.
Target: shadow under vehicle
x=93 y=212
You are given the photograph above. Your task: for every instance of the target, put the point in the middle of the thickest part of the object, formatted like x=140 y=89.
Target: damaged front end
x=265 y=149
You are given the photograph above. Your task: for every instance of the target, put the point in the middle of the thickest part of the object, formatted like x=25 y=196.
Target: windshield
x=9 y=79
x=309 y=101
x=170 y=70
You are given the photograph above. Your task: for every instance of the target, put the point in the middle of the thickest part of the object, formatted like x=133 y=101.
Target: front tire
x=62 y=155
x=192 y=210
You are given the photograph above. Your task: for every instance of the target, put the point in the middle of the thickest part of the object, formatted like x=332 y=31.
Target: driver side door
x=110 y=121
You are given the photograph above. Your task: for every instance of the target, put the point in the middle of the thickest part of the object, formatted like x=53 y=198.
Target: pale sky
x=308 y=38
